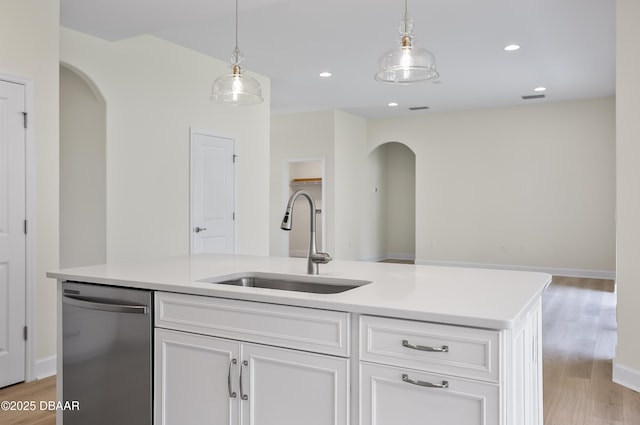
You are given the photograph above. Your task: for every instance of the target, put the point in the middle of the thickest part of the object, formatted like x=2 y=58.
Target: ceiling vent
x=418 y=108
x=534 y=96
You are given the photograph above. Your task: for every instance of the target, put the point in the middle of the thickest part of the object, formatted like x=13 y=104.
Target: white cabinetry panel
x=191 y=379
x=203 y=379
x=460 y=351
x=288 y=387
x=307 y=329
x=386 y=399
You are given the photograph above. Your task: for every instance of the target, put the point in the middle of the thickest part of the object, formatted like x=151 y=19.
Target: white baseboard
x=45 y=367
x=400 y=256
x=373 y=259
x=593 y=274
x=626 y=376
x=389 y=256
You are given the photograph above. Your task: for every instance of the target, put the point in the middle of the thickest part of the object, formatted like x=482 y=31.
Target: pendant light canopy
x=406 y=64
x=236 y=88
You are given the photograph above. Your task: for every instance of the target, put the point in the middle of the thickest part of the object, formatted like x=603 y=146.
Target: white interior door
x=212 y=194
x=12 y=233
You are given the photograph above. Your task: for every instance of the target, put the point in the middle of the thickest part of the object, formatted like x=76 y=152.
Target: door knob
x=199 y=229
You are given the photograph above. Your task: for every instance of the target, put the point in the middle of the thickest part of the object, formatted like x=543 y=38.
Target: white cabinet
x=451 y=375
x=203 y=379
x=288 y=387
x=526 y=371
x=231 y=362
x=391 y=396
x=193 y=374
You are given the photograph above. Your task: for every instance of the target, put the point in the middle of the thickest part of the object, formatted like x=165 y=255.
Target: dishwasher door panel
x=107 y=355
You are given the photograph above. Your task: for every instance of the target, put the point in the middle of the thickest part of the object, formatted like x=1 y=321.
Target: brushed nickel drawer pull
x=443 y=384
x=441 y=349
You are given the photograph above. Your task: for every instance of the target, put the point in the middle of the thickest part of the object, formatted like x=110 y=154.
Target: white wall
x=339 y=138
x=154 y=92
x=523 y=187
x=83 y=185
x=301 y=136
x=29 y=48
x=350 y=161
x=373 y=226
x=529 y=186
x=627 y=362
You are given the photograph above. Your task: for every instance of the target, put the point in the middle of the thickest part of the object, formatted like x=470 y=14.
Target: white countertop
x=485 y=298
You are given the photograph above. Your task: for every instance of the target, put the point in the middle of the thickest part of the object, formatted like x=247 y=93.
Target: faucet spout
x=314 y=257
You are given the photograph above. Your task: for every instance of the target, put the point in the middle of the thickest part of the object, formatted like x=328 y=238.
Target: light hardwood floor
x=42 y=390
x=579 y=337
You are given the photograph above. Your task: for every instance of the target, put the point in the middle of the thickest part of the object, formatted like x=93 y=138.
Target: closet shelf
x=306 y=180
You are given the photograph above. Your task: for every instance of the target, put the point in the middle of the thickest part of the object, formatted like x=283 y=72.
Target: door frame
x=193 y=131
x=286 y=182
x=31 y=371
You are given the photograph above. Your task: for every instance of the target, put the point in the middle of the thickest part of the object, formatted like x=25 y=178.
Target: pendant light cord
x=237 y=24
x=406 y=18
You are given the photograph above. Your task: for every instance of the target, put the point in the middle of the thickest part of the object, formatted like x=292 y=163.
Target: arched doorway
x=82 y=170
x=397 y=165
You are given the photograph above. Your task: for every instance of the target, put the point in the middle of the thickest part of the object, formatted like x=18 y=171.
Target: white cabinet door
x=287 y=387
x=195 y=378
x=386 y=399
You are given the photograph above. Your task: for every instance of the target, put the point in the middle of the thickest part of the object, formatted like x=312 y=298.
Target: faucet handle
x=321 y=258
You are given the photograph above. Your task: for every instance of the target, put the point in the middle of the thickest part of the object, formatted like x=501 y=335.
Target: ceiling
x=567 y=46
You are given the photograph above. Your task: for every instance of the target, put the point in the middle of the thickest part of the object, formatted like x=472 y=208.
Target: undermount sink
x=312 y=284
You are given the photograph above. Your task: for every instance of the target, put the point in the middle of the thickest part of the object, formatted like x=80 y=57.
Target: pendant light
x=236 y=88
x=406 y=63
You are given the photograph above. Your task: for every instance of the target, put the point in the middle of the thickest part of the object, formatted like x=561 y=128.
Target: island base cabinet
x=215 y=381
x=288 y=387
x=192 y=379
x=386 y=398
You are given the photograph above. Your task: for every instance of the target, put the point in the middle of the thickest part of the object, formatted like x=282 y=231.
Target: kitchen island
x=454 y=345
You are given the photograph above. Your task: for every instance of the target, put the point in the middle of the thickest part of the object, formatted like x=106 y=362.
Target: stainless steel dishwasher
x=107 y=354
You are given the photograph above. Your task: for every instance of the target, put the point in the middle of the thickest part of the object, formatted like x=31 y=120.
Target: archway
x=82 y=170
x=397 y=167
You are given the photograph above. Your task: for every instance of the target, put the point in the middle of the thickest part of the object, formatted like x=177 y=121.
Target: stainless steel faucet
x=314 y=257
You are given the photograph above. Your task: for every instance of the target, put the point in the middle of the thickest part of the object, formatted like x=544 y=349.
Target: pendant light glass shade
x=236 y=88
x=406 y=63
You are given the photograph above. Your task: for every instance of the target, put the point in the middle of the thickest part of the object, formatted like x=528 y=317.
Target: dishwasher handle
x=94 y=304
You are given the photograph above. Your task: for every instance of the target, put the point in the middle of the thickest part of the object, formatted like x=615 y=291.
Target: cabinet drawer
x=452 y=350
x=307 y=329
x=391 y=396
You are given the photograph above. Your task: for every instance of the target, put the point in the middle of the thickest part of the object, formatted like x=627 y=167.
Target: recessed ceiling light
x=393 y=104
x=540 y=89
x=511 y=47
x=325 y=74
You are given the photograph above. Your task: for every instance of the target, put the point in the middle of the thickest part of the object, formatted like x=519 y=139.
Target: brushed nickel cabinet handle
x=232 y=394
x=441 y=349
x=243 y=396
x=443 y=384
